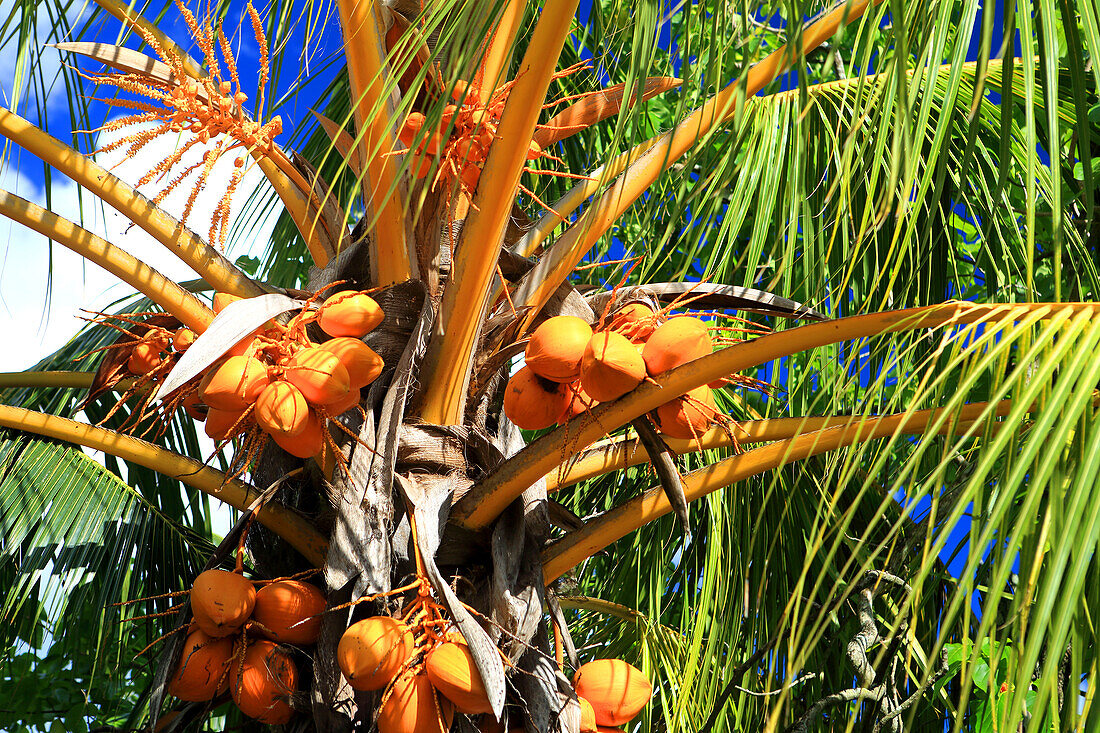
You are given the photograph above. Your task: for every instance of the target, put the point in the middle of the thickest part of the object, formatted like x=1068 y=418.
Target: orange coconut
x=451 y=668
x=235 y=383
x=183 y=338
x=319 y=375
x=372 y=651
x=636 y=321
x=413 y=707
x=220 y=424
x=222 y=601
x=557 y=347
x=579 y=403
x=588 y=716
x=281 y=409
x=349 y=313
x=611 y=366
x=688 y=417
x=534 y=403
x=677 y=342
x=617 y=691
x=290 y=611
x=305 y=444
x=263 y=683
x=362 y=363
x=145 y=357
x=202 y=668
x=221 y=300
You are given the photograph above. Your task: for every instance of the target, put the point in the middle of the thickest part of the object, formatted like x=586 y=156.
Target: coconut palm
x=887 y=520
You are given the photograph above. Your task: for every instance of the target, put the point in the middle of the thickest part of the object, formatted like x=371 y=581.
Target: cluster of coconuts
x=378 y=653
x=220 y=652
x=569 y=368
x=155 y=347
x=280 y=380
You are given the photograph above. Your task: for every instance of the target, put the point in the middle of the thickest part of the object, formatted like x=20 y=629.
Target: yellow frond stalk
x=301 y=535
x=61 y=380
x=393 y=257
x=606 y=210
x=620 y=453
x=577 y=546
x=163 y=291
x=498 y=53
x=447 y=367
x=487 y=499
x=205 y=260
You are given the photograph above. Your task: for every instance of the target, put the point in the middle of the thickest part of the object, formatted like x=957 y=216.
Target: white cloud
x=40 y=325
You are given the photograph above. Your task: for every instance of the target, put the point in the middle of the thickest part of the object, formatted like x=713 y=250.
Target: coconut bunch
x=280 y=381
x=156 y=348
x=424 y=689
x=569 y=369
x=233 y=643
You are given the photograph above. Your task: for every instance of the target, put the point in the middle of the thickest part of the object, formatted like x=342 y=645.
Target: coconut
x=534 y=403
x=413 y=707
x=349 y=313
x=688 y=417
x=362 y=363
x=222 y=602
x=221 y=423
x=611 y=366
x=203 y=667
x=372 y=651
x=557 y=347
x=264 y=682
x=221 y=300
x=677 y=342
x=579 y=403
x=636 y=321
x=353 y=397
x=183 y=338
x=319 y=375
x=281 y=409
x=451 y=668
x=588 y=716
x=617 y=691
x=290 y=611
x=145 y=357
x=305 y=444
x=235 y=383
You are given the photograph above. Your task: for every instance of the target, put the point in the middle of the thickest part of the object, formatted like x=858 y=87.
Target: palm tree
x=891 y=517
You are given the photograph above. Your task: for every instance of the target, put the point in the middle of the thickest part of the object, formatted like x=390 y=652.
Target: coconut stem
x=298 y=532
x=166 y=293
x=447 y=366
x=487 y=499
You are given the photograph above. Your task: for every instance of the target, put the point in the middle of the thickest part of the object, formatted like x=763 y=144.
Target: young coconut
x=234 y=384
x=264 y=682
x=220 y=424
x=452 y=670
x=319 y=375
x=677 y=342
x=222 y=602
x=534 y=403
x=372 y=651
x=203 y=667
x=557 y=347
x=579 y=403
x=281 y=409
x=305 y=444
x=183 y=338
x=588 y=716
x=289 y=611
x=611 y=366
x=413 y=707
x=145 y=357
x=349 y=313
x=616 y=690
x=636 y=321
x=362 y=363
x=689 y=416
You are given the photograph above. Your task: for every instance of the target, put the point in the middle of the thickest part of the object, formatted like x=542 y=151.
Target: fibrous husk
x=289 y=611
x=281 y=409
x=452 y=671
x=534 y=403
x=263 y=683
x=557 y=347
x=617 y=690
x=611 y=366
x=234 y=384
x=362 y=364
x=349 y=313
x=319 y=375
x=222 y=601
x=203 y=667
x=414 y=707
x=688 y=417
x=373 y=650
x=677 y=342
